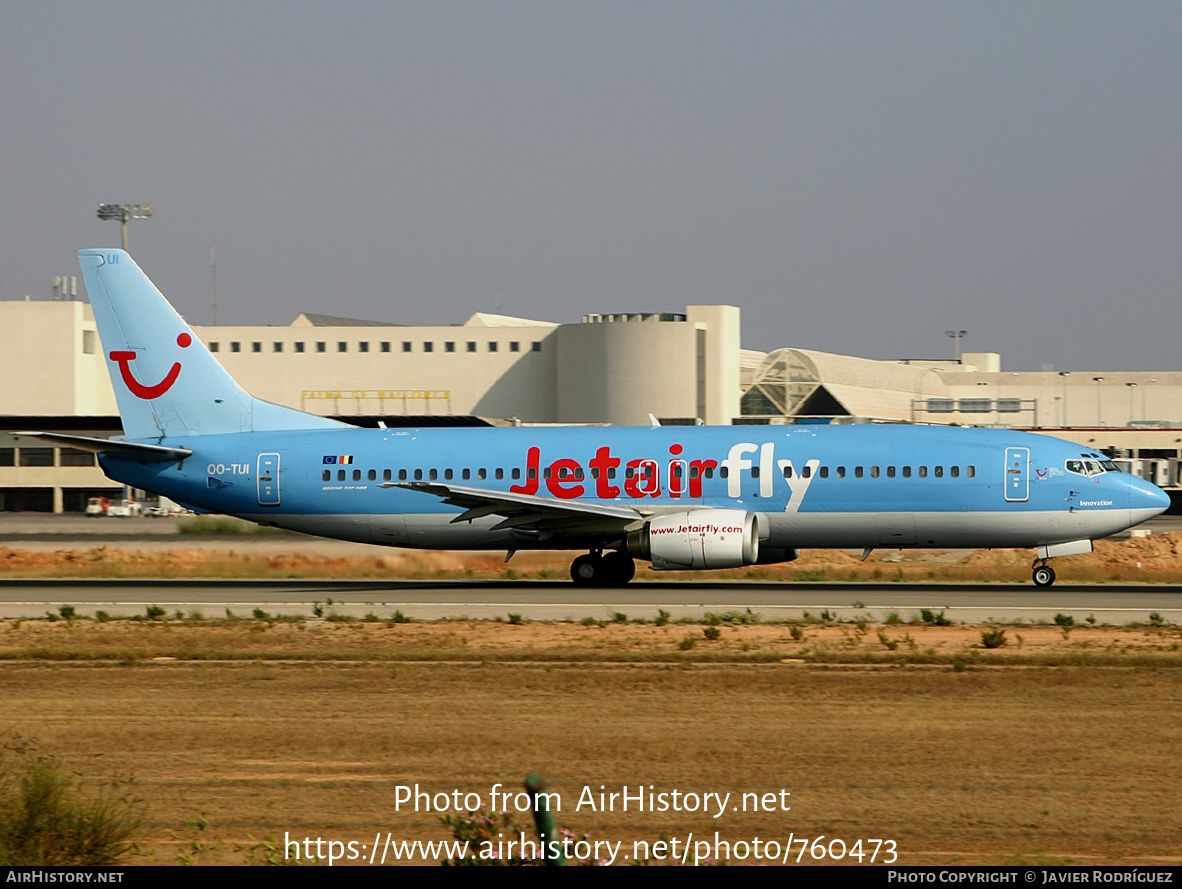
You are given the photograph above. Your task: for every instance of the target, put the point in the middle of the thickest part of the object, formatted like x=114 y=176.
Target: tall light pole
x=124 y=212
x=1063 y=375
x=957 y=335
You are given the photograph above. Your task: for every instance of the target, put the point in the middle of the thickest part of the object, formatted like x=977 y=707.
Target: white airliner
x=679 y=497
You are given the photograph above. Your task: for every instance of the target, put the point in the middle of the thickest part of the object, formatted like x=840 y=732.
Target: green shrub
x=936 y=620
x=995 y=638
x=50 y=817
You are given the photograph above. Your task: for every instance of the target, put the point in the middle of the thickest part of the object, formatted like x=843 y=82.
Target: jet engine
x=699 y=538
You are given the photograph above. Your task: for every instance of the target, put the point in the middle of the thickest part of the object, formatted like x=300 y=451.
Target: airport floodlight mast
x=124 y=212
x=957 y=335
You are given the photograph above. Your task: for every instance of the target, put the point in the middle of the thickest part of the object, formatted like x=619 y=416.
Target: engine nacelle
x=699 y=538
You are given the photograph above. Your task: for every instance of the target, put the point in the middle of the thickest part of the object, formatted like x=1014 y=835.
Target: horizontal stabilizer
x=145 y=453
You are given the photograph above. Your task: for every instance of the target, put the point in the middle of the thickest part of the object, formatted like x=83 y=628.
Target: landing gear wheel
x=618 y=568
x=1044 y=575
x=587 y=570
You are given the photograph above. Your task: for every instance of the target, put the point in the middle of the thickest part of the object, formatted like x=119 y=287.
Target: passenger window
x=841 y=472
x=418 y=475
x=467 y=474
x=824 y=473
x=386 y=475
x=874 y=472
x=954 y=471
x=890 y=472
x=500 y=474
x=340 y=475
x=402 y=475
x=787 y=472
x=906 y=472
x=938 y=471
x=970 y=471
x=447 y=475
x=858 y=472
x=433 y=474
x=481 y=473
x=923 y=472
x=326 y=475
x=806 y=472
x=373 y=475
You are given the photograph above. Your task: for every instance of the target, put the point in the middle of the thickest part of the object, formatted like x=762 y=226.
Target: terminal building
x=617 y=369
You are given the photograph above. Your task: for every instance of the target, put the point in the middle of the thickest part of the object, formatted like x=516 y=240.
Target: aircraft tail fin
x=167 y=383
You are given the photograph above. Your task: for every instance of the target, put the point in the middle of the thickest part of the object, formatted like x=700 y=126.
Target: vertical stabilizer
x=167 y=383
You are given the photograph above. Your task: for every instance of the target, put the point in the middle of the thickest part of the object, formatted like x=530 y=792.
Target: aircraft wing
x=145 y=453
x=528 y=511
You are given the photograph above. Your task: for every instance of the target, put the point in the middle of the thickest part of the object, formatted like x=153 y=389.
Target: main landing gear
x=612 y=568
x=1044 y=574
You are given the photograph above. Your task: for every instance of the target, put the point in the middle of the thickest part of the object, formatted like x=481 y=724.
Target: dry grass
x=1155 y=559
x=862 y=643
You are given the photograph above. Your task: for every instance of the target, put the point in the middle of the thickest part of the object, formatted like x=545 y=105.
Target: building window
x=235 y=347
x=385 y=347
x=37 y=456
x=88 y=342
x=471 y=347
x=72 y=457
x=492 y=347
x=256 y=347
x=342 y=347
x=278 y=347
x=537 y=347
x=449 y=347
x=363 y=347
x=406 y=347
x=320 y=347
x=299 y=347
x=428 y=347
x=213 y=347
x=514 y=347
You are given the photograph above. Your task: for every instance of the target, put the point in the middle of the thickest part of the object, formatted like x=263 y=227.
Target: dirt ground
x=241 y=734
x=917 y=744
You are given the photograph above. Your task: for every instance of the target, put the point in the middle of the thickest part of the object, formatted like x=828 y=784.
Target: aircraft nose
x=1146 y=499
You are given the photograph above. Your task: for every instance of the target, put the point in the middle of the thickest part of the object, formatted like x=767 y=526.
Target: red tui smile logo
x=139 y=389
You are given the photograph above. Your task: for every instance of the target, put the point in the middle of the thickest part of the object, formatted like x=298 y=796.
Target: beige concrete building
x=609 y=368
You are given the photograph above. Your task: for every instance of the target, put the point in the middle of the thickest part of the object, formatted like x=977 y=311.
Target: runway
x=547 y=600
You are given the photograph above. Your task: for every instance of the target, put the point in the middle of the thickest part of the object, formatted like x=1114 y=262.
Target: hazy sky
x=858 y=177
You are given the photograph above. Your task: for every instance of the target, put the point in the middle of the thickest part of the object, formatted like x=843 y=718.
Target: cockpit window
x=1091 y=467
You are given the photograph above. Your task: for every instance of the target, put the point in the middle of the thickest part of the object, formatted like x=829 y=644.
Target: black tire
x=1044 y=575
x=587 y=570
x=618 y=568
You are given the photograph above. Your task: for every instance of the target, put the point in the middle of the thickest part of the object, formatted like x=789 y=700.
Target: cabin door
x=1017 y=474
x=268 y=479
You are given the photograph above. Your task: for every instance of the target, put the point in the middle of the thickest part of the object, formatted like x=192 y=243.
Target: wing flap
x=527 y=510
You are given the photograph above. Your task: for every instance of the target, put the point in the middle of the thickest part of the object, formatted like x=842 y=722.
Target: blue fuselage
x=813 y=486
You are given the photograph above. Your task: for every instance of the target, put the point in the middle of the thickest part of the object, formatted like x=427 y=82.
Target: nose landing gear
x=1044 y=574
x=597 y=568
